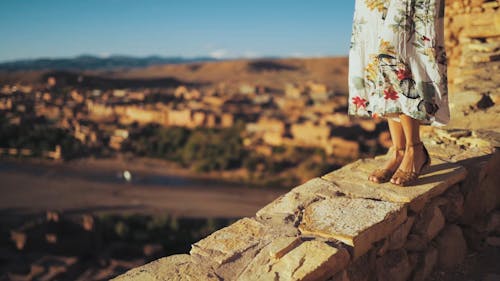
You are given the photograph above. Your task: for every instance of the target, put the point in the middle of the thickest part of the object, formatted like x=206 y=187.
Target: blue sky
x=188 y=28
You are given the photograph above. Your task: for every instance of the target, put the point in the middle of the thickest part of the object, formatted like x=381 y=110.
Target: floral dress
x=397 y=61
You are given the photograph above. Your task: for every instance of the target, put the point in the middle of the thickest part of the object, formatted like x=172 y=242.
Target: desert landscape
x=122 y=165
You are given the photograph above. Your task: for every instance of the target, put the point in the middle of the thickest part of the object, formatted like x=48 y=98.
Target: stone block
x=394 y=266
x=352 y=180
x=290 y=204
x=429 y=223
x=454 y=207
x=176 y=267
x=311 y=260
x=415 y=243
x=282 y=216
x=282 y=245
x=354 y=221
x=451 y=246
x=398 y=238
x=426 y=265
x=362 y=269
x=341 y=276
x=482 y=194
x=229 y=242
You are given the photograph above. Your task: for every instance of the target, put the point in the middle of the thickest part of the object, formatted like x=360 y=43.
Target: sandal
x=409 y=177
x=383 y=175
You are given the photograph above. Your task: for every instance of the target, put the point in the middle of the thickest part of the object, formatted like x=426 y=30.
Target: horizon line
x=241 y=57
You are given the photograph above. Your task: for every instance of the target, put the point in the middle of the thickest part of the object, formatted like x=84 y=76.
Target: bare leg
x=414 y=156
x=398 y=141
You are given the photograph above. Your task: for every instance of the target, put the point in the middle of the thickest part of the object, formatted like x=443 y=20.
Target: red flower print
x=403 y=74
x=390 y=94
x=359 y=102
x=375 y=115
x=425 y=38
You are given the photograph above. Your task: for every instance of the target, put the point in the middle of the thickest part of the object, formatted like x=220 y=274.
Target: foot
x=383 y=175
x=414 y=161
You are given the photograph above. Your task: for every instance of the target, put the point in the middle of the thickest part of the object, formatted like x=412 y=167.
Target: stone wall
x=473 y=48
x=342 y=227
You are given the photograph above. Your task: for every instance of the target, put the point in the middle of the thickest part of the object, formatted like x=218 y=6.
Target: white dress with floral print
x=397 y=61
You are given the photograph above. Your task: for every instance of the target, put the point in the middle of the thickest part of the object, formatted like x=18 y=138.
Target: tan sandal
x=409 y=177
x=383 y=175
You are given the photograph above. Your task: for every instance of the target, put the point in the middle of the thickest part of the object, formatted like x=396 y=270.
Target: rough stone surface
x=341 y=276
x=282 y=245
x=299 y=235
x=172 y=268
x=356 y=222
x=282 y=215
x=293 y=201
x=429 y=223
x=352 y=180
x=394 y=266
x=227 y=243
x=451 y=246
x=415 y=243
x=454 y=207
x=398 y=238
x=482 y=194
x=311 y=260
x=426 y=264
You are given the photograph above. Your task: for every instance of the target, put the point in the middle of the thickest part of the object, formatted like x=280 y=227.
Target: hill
x=272 y=73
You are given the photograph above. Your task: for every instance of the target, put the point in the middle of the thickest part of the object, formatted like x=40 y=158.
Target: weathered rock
x=482 y=194
x=176 y=267
x=451 y=247
x=398 y=238
x=354 y=221
x=282 y=245
x=493 y=223
x=311 y=260
x=453 y=209
x=381 y=247
x=429 y=223
x=363 y=268
x=341 y=276
x=473 y=238
x=415 y=243
x=282 y=216
x=352 y=180
x=229 y=242
x=426 y=264
x=394 y=266
x=289 y=205
x=455 y=145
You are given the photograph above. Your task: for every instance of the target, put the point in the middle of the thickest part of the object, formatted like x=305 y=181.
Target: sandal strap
x=405 y=177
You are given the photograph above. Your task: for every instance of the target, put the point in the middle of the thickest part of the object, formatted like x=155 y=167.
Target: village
x=305 y=115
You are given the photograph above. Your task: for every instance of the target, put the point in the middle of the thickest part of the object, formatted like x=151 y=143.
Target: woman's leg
x=398 y=142
x=414 y=156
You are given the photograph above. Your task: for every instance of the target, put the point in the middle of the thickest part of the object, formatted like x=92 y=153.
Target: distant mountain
x=89 y=62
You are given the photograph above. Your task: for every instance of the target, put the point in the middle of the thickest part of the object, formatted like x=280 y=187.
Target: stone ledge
x=309 y=260
x=354 y=221
x=321 y=227
x=352 y=180
x=175 y=267
x=227 y=243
